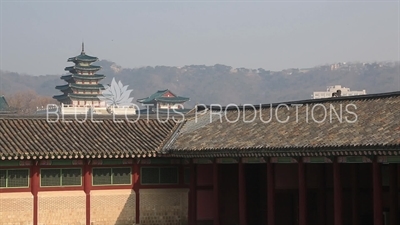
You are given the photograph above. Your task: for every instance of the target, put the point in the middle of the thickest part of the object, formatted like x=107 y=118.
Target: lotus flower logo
x=116 y=94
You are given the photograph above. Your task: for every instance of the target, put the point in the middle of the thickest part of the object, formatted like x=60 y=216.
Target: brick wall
x=112 y=207
x=164 y=206
x=62 y=207
x=117 y=207
x=16 y=208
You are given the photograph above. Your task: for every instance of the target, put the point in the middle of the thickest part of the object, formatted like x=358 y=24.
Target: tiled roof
x=158 y=97
x=376 y=126
x=153 y=96
x=85 y=68
x=3 y=104
x=83 y=58
x=83 y=77
x=370 y=126
x=177 y=99
x=165 y=112
x=77 y=96
x=31 y=138
x=80 y=86
x=4 y=107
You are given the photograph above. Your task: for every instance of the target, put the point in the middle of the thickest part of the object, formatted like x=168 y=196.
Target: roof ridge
x=307 y=101
x=129 y=139
x=80 y=116
x=169 y=140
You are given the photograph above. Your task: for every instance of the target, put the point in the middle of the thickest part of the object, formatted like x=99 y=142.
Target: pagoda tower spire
x=83 y=48
x=83 y=83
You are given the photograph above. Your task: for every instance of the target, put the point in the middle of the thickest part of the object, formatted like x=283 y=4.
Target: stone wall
x=107 y=207
x=16 y=208
x=164 y=206
x=62 y=207
x=116 y=207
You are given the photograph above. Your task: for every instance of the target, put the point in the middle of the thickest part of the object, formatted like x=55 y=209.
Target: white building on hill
x=333 y=89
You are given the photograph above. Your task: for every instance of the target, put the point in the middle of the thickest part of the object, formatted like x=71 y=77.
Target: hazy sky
x=37 y=37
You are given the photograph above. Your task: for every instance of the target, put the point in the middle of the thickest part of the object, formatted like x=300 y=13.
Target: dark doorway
x=286 y=203
x=256 y=193
x=228 y=192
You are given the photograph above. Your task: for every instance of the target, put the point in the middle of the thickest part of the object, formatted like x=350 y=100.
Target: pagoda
x=4 y=107
x=164 y=101
x=83 y=87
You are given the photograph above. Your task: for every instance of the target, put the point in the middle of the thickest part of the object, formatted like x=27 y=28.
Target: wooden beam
x=216 y=193
x=302 y=193
x=270 y=193
x=282 y=159
x=242 y=194
x=394 y=195
x=354 y=194
x=87 y=185
x=337 y=194
x=192 y=194
x=35 y=183
x=136 y=186
x=322 y=194
x=377 y=192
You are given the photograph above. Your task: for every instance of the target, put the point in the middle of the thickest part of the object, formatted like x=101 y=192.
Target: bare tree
x=26 y=102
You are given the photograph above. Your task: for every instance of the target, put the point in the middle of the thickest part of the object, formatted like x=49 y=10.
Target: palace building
x=313 y=168
x=164 y=101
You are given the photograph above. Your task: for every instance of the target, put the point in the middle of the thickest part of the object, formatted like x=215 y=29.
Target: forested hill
x=224 y=84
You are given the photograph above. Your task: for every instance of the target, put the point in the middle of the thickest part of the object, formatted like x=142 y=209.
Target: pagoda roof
x=4 y=107
x=83 y=58
x=77 y=96
x=164 y=111
x=3 y=104
x=176 y=99
x=84 y=68
x=83 y=77
x=80 y=86
x=163 y=96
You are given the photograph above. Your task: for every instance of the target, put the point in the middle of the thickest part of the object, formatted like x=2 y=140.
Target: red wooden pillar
x=354 y=194
x=242 y=194
x=192 y=194
x=337 y=194
x=35 y=184
x=87 y=185
x=216 y=193
x=377 y=192
x=270 y=193
x=302 y=193
x=394 y=195
x=136 y=184
x=322 y=195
